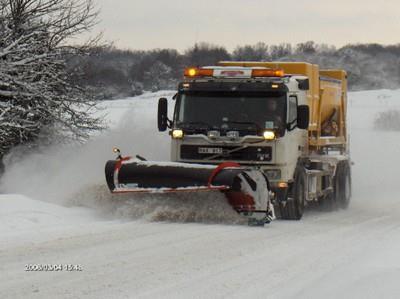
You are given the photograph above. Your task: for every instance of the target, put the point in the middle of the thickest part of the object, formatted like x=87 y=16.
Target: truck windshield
x=248 y=111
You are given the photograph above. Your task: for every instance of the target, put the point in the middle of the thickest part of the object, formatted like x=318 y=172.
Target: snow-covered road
x=124 y=253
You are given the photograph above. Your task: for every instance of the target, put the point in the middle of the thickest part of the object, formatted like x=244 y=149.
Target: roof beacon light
x=195 y=72
x=198 y=72
x=267 y=73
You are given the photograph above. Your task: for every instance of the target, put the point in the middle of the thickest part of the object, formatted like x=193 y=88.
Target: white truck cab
x=258 y=116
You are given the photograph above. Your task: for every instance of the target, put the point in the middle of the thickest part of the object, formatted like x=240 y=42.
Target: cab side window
x=292 y=113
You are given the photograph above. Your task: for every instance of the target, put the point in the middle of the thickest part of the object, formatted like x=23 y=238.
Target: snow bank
x=364 y=106
x=23 y=219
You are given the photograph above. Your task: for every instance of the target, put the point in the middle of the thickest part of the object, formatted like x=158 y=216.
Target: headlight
x=273 y=174
x=177 y=134
x=269 y=135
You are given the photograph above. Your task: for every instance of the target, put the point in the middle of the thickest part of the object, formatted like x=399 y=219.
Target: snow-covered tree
x=257 y=52
x=36 y=93
x=160 y=76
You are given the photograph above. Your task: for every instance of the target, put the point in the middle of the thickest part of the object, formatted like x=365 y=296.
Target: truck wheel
x=294 y=207
x=343 y=181
x=341 y=194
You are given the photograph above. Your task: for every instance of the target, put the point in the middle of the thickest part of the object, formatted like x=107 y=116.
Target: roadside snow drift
x=56 y=210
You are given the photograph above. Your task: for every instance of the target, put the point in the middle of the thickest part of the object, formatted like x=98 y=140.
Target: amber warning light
x=248 y=73
x=198 y=72
x=267 y=73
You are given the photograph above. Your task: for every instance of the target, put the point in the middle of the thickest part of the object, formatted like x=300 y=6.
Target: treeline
x=114 y=73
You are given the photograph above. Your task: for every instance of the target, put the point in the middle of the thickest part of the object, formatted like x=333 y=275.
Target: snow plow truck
x=271 y=136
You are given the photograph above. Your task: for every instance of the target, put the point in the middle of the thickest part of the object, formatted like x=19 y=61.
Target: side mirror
x=303 y=117
x=162 y=118
x=304 y=84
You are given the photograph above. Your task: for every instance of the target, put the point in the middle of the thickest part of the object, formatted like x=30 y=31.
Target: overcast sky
x=148 y=24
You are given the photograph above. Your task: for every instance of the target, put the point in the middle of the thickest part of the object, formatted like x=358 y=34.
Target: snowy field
x=55 y=209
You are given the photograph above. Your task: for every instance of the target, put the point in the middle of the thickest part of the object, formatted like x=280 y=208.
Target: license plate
x=210 y=150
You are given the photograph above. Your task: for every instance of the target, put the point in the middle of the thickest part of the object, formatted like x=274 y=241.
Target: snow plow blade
x=246 y=189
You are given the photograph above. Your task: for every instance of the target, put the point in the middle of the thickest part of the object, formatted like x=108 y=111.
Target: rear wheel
x=293 y=208
x=344 y=185
x=340 y=197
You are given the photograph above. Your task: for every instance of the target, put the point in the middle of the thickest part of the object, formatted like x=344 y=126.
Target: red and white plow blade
x=246 y=189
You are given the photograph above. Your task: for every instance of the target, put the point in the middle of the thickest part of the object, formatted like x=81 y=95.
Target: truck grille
x=200 y=152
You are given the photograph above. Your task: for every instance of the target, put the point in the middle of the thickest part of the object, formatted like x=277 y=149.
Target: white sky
x=148 y=24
